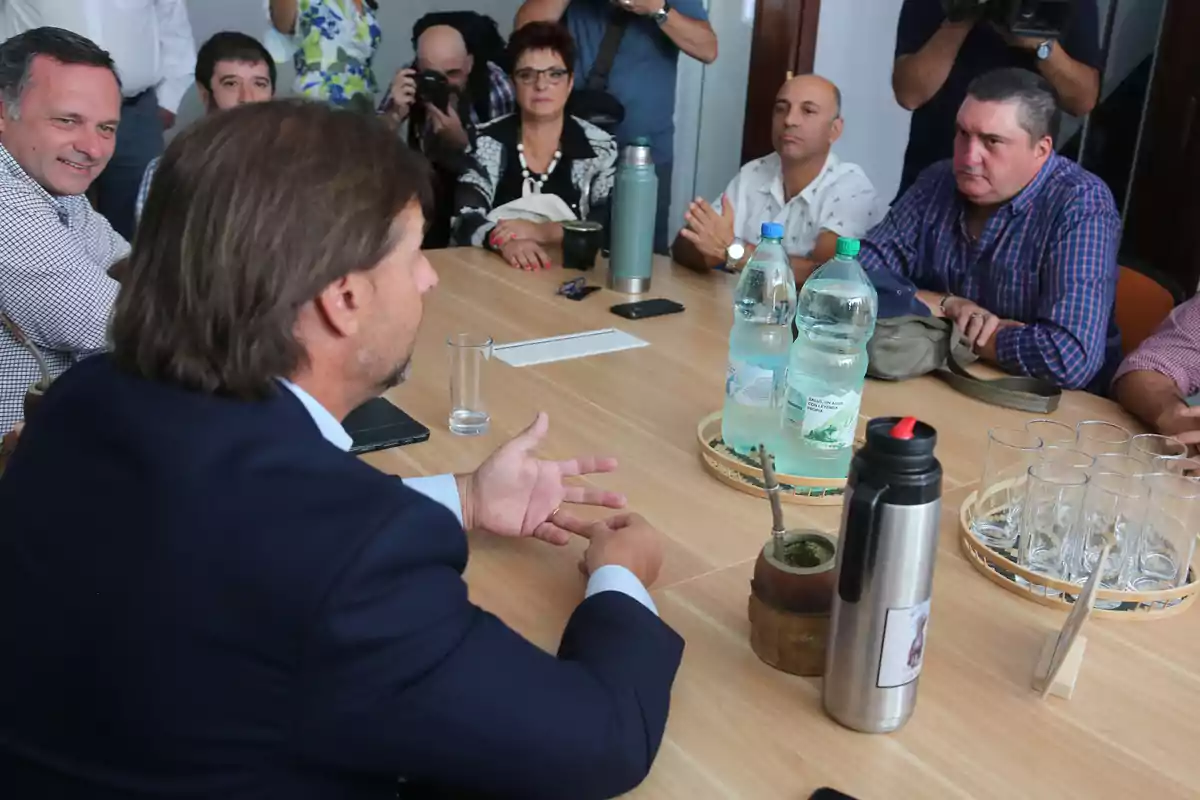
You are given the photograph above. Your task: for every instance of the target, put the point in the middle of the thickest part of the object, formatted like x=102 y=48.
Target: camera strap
x=597 y=79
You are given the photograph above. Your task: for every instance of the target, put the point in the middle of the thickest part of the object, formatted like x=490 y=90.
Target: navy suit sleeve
x=1082 y=39
x=404 y=676
x=919 y=20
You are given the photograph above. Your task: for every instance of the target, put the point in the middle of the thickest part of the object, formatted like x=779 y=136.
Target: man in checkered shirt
x=60 y=102
x=1155 y=381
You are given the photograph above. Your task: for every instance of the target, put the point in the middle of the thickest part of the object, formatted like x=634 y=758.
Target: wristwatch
x=1044 y=49
x=734 y=255
x=660 y=16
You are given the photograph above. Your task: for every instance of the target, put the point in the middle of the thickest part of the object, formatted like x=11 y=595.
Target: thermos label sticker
x=903 y=650
x=750 y=385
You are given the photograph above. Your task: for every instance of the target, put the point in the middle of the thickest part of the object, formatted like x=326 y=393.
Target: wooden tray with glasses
x=1001 y=568
x=745 y=474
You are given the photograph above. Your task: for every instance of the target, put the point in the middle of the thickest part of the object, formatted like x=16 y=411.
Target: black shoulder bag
x=594 y=103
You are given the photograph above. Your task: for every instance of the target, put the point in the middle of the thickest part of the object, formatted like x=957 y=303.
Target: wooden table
x=738 y=728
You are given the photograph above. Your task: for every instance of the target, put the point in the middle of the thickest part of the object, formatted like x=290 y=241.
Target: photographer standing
x=939 y=54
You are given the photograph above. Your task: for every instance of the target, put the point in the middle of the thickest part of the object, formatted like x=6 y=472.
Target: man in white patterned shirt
x=802 y=184
x=60 y=104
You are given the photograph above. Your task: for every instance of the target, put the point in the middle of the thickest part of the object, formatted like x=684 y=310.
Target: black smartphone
x=829 y=794
x=433 y=88
x=646 y=308
x=378 y=425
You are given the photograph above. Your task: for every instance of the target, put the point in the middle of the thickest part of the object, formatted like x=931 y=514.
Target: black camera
x=434 y=88
x=1046 y=19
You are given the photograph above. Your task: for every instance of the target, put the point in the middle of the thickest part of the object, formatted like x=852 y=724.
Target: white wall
x=710 y=109
x=856 y=40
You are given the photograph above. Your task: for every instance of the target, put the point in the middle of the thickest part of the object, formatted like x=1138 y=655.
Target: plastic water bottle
x=835 y=316
x=764 y=305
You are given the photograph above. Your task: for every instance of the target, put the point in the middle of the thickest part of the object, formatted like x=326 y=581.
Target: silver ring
x=976 y=315
x=553 y=514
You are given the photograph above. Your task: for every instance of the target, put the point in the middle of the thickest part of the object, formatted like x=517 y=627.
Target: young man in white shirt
x=152 y=45
x=816 y=196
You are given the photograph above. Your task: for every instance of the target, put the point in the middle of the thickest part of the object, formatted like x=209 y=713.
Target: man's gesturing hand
x=625 y=540
x=515 y=493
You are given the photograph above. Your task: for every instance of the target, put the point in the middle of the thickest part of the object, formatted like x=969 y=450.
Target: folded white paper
x=561 y=348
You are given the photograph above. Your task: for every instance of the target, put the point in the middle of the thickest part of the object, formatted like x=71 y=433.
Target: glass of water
x=1169 y=535
x=1053 y=503
x=1150 y=447
x=997 y=513
x=1114 y=508
x=469 y=354
x=1095 y=436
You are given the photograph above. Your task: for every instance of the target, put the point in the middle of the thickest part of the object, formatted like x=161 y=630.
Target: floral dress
x=335 y=43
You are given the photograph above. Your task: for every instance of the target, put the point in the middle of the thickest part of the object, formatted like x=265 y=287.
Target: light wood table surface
x=739 y=729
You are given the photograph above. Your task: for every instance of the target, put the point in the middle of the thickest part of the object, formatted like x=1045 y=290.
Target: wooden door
x=1162 y=228
x=784 y=43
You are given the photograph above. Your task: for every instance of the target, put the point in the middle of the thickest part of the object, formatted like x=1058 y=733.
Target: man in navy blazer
x=202 y=595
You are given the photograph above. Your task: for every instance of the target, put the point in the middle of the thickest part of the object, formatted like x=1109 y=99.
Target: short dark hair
x=252 y=213
x=17 y=55
x=231 y=46
x=542 y=36
x=1038 y=114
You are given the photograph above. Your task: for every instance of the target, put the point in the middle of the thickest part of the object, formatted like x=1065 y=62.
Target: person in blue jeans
x=643 y=74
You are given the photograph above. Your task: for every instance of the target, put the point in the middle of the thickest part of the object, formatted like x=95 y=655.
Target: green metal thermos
x=635 y=205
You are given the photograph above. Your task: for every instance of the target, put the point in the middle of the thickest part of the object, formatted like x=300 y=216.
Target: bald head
x=442 y=49
x=807 y=118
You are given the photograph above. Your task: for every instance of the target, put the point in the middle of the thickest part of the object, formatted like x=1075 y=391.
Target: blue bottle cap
x=772 y=230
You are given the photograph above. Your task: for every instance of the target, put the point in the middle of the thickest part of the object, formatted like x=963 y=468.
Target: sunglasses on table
x=528 y=75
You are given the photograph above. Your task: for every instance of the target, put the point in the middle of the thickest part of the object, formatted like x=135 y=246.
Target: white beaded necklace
x=529 y=184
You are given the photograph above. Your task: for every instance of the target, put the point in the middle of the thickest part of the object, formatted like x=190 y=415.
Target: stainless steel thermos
x=888 y=544
x=634 y=210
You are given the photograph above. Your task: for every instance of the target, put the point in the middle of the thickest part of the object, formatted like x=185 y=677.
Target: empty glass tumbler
x=1169 y=536
x=469 y=354
x=1050 y=515
x=997 y=512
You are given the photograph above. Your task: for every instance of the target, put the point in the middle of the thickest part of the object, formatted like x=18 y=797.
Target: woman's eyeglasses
x=528 y=75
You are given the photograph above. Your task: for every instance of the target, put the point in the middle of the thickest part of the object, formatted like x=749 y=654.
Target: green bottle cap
x=847 y=247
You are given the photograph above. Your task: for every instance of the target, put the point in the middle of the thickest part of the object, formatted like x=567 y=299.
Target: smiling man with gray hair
x=60 y=103
x=1014 y=243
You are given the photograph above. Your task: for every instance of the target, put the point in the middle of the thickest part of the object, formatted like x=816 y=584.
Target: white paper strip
x=561 y=348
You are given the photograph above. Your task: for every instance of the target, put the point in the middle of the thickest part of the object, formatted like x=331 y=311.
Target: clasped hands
x=711 y=232
x=516 y=494
x=518 y=241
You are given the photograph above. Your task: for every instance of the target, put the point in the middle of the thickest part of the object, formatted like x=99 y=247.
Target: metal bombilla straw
x=771 y=485
x=43 y=384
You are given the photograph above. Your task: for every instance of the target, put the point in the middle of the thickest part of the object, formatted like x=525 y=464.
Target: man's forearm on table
x=1048 y=352
x=687 y=254
x=1148 y=395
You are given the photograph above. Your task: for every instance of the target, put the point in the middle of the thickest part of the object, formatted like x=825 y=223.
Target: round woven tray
x=999 y=567
x=745 y=474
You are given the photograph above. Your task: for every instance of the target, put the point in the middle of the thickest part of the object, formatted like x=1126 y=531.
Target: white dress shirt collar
x=808 y=194
x=327 y=424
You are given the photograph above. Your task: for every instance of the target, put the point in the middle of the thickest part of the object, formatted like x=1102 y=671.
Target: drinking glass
x=997 y=513
x=1053 y=503
x=1187 y=467
x=1169 y=535
x=1067 y=454
x=1121 y=463
x=468 y=355
x=1096 y=436
x=1152 y=446
x=1052 y=433
x=1114 y=509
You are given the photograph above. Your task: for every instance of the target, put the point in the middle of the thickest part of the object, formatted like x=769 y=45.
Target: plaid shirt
x=1173 y=350
x=1047 y=258
x=54 y=258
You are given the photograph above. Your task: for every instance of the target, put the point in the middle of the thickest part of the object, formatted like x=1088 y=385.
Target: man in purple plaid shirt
x=1156 y=380
x=1015 y=244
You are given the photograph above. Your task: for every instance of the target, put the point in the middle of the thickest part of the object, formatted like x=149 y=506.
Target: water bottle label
x=826 y=422
x=749 y=385
x=903 y=650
